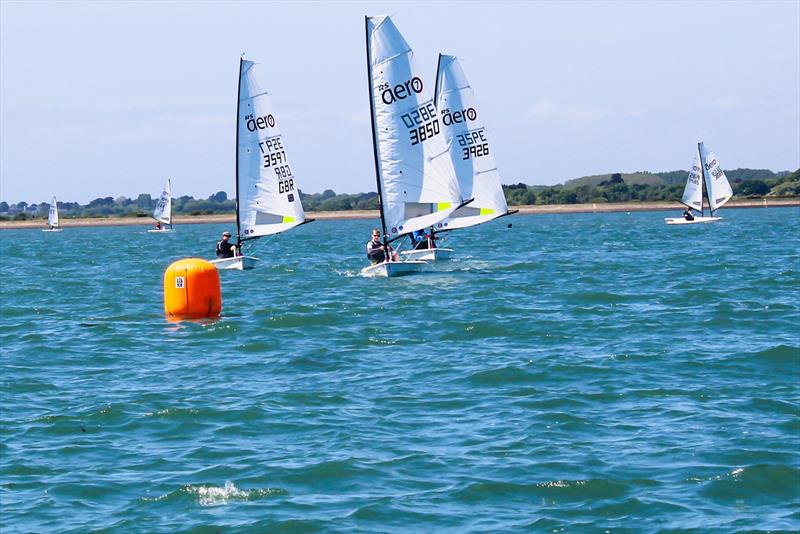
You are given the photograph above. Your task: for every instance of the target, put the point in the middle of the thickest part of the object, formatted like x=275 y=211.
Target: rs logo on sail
x=456 y=117
x=390 y=95
x=260 y=123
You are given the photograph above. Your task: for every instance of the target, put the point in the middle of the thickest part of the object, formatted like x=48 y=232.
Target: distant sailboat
x=163 y=212
x=469 y=149
x=52 y=218
x=267 y=194
x=417 y=185
x=705 y=170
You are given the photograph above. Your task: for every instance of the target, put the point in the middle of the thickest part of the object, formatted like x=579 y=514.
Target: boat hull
x=697 y=220
x=428 y=254
x=162 y=231
x=392 y=269
x=52 y=229
x=237 y=263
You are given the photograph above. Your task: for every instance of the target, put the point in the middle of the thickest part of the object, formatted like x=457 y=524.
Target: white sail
x=267 y=192
x=418 y=185
x=693 y=193
x=472 y=158
x=52 y=217
x=163 y=211
x=717 y=185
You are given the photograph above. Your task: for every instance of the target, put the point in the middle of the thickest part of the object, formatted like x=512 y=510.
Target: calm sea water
x=574 y=372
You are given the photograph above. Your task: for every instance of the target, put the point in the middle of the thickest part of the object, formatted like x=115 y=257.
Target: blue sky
x=109 y=99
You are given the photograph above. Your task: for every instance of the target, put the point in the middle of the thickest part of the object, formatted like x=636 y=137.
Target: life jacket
x=375 y=252
x=224 y=250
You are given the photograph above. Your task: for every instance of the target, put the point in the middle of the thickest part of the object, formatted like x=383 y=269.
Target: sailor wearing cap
x=226 y=249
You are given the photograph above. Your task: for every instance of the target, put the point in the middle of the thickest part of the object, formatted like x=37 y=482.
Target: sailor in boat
x=226 y=249
x=422 y=241
x=158 y=225
x=687 y=214
x=376 y=252
x=419 y=241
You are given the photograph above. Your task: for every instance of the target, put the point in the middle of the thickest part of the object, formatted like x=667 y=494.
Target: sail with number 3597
x=267 y=192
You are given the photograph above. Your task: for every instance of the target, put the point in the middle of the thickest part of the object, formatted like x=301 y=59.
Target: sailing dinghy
x=163 y=212
x=705 y=170
x=52 y=218
x=473 y=160
x=267 y=194
x=417 y=185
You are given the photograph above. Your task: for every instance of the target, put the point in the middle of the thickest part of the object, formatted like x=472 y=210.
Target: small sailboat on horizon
x=52 y=218
x=706 y=176
x=163 y=211
x=473 y=160
x=267 y=193
x=417 y=184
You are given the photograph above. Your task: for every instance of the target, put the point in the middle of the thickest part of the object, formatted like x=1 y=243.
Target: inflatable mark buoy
x=192 y=290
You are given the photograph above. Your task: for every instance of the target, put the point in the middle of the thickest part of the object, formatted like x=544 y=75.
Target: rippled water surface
x=580 y=371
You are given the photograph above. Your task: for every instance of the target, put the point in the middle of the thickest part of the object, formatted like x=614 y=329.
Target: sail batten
x=469 y=148
x=268 y=196
x=418 y=188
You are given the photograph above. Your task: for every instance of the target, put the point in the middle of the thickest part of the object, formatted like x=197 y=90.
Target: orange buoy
x=192 y=290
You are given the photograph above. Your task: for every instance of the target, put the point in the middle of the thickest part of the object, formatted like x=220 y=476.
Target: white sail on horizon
x=469 y=148
x=52 y=216
x=718 y=188
x=163 y=210
x=417 y=181
x=693 y=193
x=268 y=197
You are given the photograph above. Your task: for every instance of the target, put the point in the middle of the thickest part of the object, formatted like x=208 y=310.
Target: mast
x=169 y=190
x=236 y=151
x=375 y=134
x=436 y=84
x=703 y=188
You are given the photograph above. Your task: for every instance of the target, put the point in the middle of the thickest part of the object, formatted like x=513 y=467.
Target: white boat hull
x=391 y=269
x=163 y=230
x=427 y=254
x=239 y=263
x=51 y=229
x=697 y=220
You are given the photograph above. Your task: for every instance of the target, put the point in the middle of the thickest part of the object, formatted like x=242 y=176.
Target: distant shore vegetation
x=614 y=187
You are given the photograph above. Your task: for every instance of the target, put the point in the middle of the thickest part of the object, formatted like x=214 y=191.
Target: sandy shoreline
x=373 y=214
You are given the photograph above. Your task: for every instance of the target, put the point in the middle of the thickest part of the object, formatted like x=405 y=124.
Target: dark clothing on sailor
x=688 y=215
x=419 y=241
x=375 y=252
x=225 y=249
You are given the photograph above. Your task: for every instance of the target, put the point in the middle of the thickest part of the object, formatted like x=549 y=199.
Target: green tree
x=144 y=201
x=219 y=197
x=752 y=188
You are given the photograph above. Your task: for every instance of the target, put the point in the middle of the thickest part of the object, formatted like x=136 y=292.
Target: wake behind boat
x=52 y=218
x=163 y=211
x=705 y=170
x=417 y=185
x=267 y=194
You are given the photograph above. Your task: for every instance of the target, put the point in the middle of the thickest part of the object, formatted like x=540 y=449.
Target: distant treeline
x=646 y=186
x=616 y=187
